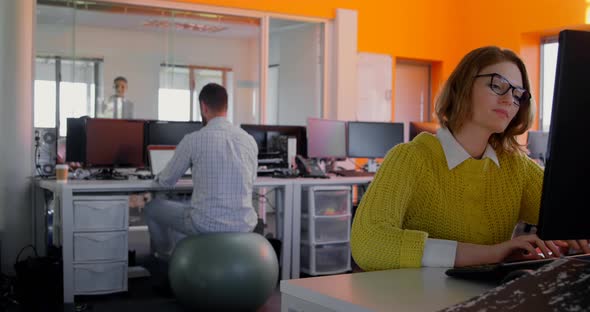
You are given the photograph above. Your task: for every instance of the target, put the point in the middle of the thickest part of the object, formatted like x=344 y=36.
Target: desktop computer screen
x=264 y=134
x=417 y=127
x=537 y=144
x=373 y=139
x=326 y=138
x=114 y=143
x=169 y=132
x=76 y=140
x=564 y=204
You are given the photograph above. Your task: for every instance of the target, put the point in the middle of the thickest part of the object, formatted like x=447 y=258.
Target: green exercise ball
x=223 y=271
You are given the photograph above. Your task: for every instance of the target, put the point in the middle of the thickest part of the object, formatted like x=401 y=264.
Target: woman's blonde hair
x=454 y=107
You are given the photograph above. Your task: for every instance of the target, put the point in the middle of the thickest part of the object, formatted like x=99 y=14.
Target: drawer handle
x=95 y=207
x=102 y=238
x=98 y=270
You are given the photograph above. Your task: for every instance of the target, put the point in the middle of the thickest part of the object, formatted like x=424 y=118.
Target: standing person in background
x=117 y=106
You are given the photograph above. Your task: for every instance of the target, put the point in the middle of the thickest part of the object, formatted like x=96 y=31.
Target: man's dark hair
x=120 y=78
x=214 y=96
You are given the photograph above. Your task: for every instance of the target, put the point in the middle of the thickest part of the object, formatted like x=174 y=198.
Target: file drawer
x=100 y=246
x=326 y=201
x=101 y=213
x=325 y=259
x=325 y=229
x=100 y=278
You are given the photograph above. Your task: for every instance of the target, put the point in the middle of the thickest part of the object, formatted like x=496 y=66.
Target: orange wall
x=440 y=31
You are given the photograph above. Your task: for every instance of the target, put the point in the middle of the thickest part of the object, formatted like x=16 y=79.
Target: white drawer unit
x=325 y=229
x=326 y=200
x=322 y=230
x=89 y=246
x=325 y=259
x=100 y=278
x=101 y=213
x=100 y=244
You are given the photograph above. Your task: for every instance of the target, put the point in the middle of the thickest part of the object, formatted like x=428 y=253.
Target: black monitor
x=564 y=208
x=417 y=127
x=76 y=140
x=114 y=143
x=264 y=134
x=537 y=144
x=326 y=139
x=169 y=132
x=373 y=139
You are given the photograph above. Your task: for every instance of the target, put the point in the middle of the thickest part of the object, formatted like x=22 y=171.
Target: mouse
x=516 y=274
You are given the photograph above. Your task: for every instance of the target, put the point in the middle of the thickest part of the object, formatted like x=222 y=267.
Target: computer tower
x=45 y=144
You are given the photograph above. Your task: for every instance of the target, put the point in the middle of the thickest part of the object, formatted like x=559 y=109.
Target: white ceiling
x=54 y=15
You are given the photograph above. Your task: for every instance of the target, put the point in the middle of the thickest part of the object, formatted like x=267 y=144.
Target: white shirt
x=441 y=252
x=224 y=159
x=116 y=107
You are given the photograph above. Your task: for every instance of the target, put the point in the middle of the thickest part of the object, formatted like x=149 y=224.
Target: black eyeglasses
x=500 y=86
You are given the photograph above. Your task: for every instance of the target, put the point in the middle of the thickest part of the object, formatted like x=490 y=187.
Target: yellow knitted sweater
x=414 y=196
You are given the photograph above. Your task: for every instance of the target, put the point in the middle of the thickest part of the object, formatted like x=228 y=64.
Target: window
x=71 y=83
x=549 y=49
x=178 y=95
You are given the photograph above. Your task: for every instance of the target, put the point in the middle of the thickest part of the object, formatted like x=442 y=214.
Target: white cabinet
x=100 y=243
x=325 y=229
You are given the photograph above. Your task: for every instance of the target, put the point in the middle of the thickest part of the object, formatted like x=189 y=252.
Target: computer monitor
x=169 y=132
x=373 y=139
x=537 y=144
x=264 y=134
x=326 y=139
x=114 y=143
x=417 y=127
x=564 y=204
x=76 y=140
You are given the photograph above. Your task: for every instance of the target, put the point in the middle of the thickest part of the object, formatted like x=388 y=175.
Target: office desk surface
x=427 y=289
x=124 y=185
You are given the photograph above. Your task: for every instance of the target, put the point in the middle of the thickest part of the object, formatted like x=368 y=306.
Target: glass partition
x=164 y=55
x=295 y=73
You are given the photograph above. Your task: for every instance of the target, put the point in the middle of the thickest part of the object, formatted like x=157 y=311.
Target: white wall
x=299 y=74
x=16 y=127
x=137 y=56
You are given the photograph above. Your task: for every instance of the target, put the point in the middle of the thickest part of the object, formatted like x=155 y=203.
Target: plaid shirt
x=224 y=159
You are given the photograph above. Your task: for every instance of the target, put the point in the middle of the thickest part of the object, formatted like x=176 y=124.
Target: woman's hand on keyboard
x=526 y=247
x=523 y=247
x=576 y=246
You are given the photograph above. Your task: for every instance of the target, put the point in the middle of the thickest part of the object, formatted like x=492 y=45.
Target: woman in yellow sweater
x=454 y=199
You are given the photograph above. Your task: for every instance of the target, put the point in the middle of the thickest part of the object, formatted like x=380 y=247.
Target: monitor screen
x=417 y=127
x=263 y=135
x=326 y=138
x=537 y=144
x=564 y=209
x=114 y=143
x=76 y=140
x=373 y=139
x=169 y=132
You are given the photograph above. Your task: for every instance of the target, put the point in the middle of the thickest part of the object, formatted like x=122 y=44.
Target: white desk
x=407 y=290
x=66 y=192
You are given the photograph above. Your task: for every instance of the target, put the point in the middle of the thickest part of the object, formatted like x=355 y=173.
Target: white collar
x=455 y=153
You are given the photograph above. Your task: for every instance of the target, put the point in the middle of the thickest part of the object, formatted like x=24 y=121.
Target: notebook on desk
x=160 y=155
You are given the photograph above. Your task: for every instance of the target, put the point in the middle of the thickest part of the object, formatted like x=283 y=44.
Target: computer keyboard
x=498 y=271
x=354 y=173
